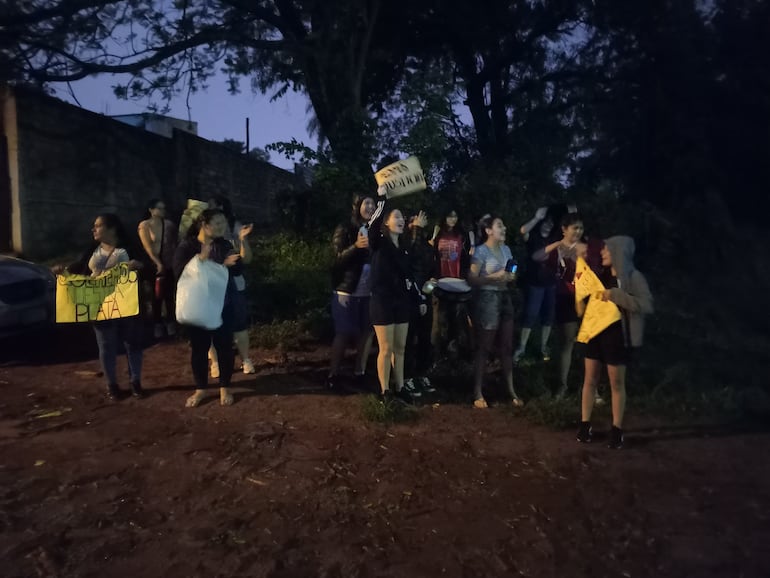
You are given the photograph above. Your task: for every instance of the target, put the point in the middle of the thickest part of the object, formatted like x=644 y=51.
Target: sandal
x=195 y=399
x=517 y=401
x=225 y=397
x=480 y=403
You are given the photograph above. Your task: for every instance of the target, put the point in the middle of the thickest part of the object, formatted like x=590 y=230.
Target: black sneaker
x=137 y=391
x=585 y=433
x=404 y=396
x=113 y=392
x=616 y=439
x=426 y=385
x=386 y=396
x=411 y=388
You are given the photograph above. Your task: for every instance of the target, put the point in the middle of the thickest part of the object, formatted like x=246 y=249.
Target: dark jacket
x=391 y=265
x=349 y=260
x=422 y=254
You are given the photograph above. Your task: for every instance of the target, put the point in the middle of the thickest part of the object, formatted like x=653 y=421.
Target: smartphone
x=511 y=266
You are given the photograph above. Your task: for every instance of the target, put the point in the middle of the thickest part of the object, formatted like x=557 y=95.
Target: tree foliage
x=657 y=101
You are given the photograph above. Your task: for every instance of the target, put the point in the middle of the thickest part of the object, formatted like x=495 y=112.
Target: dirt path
x=292 y=482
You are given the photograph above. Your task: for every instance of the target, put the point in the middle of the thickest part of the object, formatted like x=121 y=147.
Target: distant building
x=157 y=123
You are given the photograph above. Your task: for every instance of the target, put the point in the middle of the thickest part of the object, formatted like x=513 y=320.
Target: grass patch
x=389 y=412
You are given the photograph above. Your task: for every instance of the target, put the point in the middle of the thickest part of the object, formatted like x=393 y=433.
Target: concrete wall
x=70 y=164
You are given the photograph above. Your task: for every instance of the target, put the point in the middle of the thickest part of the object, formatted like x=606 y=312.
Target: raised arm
x=375 y=223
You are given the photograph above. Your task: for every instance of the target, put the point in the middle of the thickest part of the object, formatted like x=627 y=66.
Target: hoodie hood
x=622 y=250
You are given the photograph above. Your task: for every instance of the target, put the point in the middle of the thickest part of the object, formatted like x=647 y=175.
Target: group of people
x=385 y=268
x=160 y=260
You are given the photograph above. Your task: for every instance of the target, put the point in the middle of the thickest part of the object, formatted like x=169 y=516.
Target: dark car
x=27 y=297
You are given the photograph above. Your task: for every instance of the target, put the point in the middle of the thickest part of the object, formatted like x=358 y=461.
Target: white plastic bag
x=200 y=294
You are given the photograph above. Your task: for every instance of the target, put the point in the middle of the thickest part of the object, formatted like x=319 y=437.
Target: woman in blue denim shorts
x=492 y=305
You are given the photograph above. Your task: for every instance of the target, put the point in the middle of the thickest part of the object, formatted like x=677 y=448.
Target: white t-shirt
x=102 y=260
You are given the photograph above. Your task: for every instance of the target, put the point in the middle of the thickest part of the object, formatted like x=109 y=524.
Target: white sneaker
x=214 y=369
x=248 y=366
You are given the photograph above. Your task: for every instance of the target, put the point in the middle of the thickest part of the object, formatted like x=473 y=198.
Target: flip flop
x=480 y=403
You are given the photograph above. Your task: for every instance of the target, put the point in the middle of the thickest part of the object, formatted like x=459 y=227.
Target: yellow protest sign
x=402 y=177
x=193 y=210
x=111 y=295
x=599 y=315
x=586 y=281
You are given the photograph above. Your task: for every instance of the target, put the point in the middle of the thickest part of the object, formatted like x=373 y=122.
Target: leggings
x=200 y=340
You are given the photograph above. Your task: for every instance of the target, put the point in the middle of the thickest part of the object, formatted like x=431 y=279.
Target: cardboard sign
x=194 y=208
x=111 y=295
x=402 y=177
x=599 y=315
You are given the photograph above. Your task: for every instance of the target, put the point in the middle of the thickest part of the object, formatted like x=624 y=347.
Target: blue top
x=488 y=263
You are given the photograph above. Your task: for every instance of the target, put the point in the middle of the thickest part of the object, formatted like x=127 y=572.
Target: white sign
x=402 y=177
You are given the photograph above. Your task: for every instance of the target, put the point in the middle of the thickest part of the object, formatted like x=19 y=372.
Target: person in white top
x=112 y=248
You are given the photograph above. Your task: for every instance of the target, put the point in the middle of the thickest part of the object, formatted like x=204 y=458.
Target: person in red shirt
x=452 y=260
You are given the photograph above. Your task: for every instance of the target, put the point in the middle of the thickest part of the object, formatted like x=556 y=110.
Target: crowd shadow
x=746 y=427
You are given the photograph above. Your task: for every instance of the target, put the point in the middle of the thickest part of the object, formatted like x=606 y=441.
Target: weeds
x=388 y=412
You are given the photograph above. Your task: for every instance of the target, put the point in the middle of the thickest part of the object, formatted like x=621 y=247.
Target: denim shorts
x=491 y=307
x=350 y=314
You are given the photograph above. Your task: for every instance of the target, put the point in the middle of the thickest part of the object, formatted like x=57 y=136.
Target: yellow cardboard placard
x=402 y=177
x=111 y=295
x=599 y=315
x=194 y=208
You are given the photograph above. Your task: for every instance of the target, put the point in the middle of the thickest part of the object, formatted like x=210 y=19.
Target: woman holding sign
x=627 y=288
x=393 y=295
x=111 y=249
x=490 y=274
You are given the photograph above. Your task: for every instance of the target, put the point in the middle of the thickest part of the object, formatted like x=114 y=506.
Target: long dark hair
x=203 y=219
x=485 y=223
x=226 y=210
x=444 y=228
x=112 y=221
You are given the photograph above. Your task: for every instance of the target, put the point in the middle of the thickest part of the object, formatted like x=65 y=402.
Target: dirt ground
x=292 y=481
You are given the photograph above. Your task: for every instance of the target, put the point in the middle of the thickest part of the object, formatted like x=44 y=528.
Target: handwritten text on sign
x=402 y=177
x=111 y=295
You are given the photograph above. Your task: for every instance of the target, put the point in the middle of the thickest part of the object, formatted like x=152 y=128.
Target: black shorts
x=609 y=346
x=389 y=310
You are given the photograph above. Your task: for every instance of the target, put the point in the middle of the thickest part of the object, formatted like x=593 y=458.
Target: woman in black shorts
x=627 y=288
x=393 y=294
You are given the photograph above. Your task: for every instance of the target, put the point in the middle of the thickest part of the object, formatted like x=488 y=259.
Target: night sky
x=219 y=114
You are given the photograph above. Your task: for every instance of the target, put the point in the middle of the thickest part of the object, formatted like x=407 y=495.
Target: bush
x=289 y=279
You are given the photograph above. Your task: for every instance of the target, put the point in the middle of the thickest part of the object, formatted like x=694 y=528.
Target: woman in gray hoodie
x=627 y=288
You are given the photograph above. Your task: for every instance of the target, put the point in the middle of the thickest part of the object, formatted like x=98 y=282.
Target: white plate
x=453 y=285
